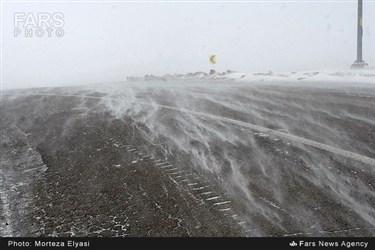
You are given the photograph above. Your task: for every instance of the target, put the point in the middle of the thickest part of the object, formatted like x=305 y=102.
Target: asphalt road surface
x=188 y=159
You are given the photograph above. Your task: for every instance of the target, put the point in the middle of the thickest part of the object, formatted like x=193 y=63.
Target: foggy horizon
x=106 y=42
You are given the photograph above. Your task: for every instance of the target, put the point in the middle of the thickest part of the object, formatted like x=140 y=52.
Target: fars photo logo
x=40 y=25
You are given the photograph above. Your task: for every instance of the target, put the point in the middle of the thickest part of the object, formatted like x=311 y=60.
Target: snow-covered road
x=292 y=160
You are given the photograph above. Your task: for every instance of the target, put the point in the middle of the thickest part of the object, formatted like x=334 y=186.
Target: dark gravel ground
x=93 y=185
x=69 y=167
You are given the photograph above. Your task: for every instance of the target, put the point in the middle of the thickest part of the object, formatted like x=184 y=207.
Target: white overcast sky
x=106 y=42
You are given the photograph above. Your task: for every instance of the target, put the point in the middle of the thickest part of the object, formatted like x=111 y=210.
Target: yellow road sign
x=212 y=59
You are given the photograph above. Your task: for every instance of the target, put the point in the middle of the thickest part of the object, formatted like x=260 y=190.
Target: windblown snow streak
x=241 y=135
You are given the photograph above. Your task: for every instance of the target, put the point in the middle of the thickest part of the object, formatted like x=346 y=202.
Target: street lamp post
x=359 y=63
